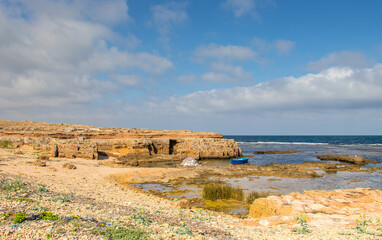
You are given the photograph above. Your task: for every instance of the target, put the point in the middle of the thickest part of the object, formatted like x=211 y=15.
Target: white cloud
x=166 y=16
x=240 y=7
x=354 y=59
x=337 y=89
x=236 y=71
x=187 y=79
x=284 y=46
x=55 y=54
x=99 y=11
x=128 y=80
x=225 y=73
x=216 y=77
x=281 y=46
x=229 y=52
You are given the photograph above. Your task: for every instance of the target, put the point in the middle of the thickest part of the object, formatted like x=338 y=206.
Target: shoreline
x=107 y=201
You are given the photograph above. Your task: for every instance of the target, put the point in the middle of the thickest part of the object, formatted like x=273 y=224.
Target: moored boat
x=241 y=160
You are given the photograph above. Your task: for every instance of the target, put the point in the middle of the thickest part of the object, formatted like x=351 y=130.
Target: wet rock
x=330 y=166
x=345 y=158
x=276 y=152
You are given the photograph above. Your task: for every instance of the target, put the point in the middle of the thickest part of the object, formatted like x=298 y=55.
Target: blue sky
x=229 y=66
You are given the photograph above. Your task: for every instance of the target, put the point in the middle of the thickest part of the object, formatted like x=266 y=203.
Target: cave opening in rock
x=171 y=147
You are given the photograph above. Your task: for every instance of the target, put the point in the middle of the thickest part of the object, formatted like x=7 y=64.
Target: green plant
x=6 y=143
x=124 y=232
x=48 y=216
x=378 y=221
x=303 y=228
x=214 y=191
x=13 y=186
x=141 y=217
x=19 y=217
x=42 y=188
x=183 y=230
x=200 y=214
x=20 y=199
x=61 y=198
x=48 y=236
x=362 y=223
x=6 y=215
x=38 y=208
x=252 y=196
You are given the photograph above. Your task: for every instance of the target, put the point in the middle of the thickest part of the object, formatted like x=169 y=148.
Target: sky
x=237 y=67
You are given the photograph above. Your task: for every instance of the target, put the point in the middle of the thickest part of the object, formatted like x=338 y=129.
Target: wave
x=311 y=143
x=295 y=143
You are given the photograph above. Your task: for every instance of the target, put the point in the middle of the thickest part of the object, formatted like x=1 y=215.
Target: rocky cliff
x=64 y=140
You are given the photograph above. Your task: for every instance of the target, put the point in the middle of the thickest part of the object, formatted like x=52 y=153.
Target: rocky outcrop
x=72 y=141
x=344 y=202
x=276 y=152
x=345 y=158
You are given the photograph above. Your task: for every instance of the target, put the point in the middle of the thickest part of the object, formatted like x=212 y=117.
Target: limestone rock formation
x=344 y=202
x=345 y=158
x=72 y=141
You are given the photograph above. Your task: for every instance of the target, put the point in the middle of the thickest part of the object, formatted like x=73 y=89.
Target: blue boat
x=241 y=160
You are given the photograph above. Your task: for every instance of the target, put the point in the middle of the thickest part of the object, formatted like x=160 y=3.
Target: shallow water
x=369 y=147
x=331 y=181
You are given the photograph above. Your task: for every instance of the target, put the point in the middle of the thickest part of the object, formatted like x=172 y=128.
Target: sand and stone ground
x=89 y=203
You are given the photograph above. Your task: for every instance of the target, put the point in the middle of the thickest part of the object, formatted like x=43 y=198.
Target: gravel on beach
x=90 y=205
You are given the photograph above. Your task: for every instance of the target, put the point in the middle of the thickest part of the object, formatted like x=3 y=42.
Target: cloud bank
x=62 y=54
x=333 y=88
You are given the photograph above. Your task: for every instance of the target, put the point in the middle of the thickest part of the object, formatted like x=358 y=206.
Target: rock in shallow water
x=345 y=158
x=190 y=161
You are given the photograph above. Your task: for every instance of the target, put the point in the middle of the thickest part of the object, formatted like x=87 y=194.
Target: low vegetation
x=215 y=191
x=141 y=217
x=124 y=232
x=6 y=144
x=252 y=196
x=19 y=217
x=12 y=186
x=303 y=225
x=49 y=216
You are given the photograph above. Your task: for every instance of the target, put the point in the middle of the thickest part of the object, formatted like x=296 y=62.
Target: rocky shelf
x=72 y=141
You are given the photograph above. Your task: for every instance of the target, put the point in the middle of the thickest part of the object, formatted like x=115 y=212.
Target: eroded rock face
x=72 y=141
x=344 y=202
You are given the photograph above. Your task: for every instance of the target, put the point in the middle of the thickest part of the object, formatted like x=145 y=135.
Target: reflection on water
x=157 y=187
x=340 y=180
x=192 y=192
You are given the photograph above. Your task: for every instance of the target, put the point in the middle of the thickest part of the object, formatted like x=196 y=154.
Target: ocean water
x=369 y=147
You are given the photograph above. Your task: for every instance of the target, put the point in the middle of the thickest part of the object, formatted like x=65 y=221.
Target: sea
x=309 y=147
x=369 y=147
